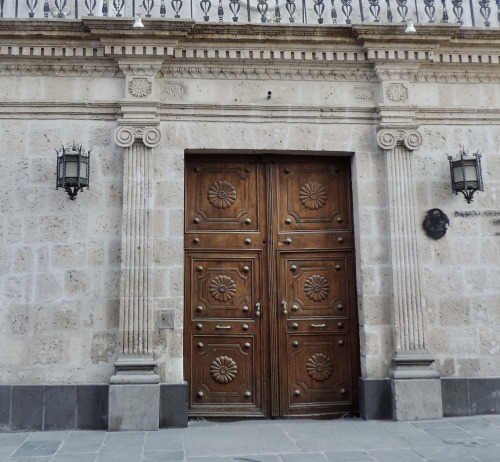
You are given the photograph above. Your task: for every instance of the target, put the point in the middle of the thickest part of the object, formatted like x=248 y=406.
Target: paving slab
x=464 y=439
x=235 y=440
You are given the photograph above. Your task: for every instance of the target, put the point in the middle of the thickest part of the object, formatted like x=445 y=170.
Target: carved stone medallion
x=140 y=88
x=397 y=92
x=223 y=369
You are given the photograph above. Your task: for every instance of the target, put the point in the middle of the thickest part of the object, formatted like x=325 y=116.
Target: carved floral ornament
x=140 y=88
x=126 y=136
x=222 y=288
x=316 y=288
x=319 y=367
x=389 y=138
x=222 y=194
x=313 y=195
x=223 y=369
x=397 y=92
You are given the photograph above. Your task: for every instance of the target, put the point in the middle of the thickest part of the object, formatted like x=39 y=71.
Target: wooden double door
x=270 y=308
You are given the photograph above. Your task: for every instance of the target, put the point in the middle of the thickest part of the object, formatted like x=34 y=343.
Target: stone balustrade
x=476 y=13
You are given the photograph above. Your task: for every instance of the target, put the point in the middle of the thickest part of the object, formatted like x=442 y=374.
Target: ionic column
x=134 y=389
x=411 y=360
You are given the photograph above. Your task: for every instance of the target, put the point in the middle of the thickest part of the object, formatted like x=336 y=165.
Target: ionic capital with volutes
x=389 y=138
x=127 y=135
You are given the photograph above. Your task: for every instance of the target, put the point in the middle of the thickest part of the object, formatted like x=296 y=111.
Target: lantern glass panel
x=71 y=168
x=470 y=173
x=84 y=170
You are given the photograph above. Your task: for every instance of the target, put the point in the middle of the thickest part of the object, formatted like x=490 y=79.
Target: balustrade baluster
x=429 y=10
x=334 y=13
x=347 y=10
x=277 y=13
x=498 y=13
x=104 y=9
x=163 y=9
x=485 y=11
x=458 y=10
x=445 y=11
x=1 y=8
x=319 y=8
x=148 y=6
x=90 y=4
x=389 y=12
x=31 y=6
x=262 y=8
x=220 y=11
x=176 y=6
x=290 y=8
x=374 y=9
x=234 y=6
x=402 y=9
x=118 y=5
x=205 y=7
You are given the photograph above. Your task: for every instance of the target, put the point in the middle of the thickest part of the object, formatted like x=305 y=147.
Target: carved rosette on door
x=270 y=324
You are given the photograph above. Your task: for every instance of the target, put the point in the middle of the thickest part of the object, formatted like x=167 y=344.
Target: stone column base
x=417 y=399
x=134 y=407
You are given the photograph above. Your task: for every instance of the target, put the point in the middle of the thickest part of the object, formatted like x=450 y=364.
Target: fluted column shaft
x=410 y=332
x=409 y=321
x=136 y=311
x=135 y=299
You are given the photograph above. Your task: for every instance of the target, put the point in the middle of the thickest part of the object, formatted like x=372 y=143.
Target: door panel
x=223 y=197
x=312 y=197
x=270 y=317
x=222 y=284
x=319 y=374
x=224 y=377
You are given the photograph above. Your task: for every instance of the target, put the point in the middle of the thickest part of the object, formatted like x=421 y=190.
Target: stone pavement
x=468 y=439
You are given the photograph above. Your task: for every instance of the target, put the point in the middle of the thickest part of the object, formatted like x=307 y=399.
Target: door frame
x=274 y=403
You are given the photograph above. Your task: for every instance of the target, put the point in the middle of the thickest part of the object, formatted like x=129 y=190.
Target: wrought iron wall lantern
x=466 y=175
x=73 y=169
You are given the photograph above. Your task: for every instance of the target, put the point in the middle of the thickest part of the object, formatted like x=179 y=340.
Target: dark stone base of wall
x=76 y=407
x=461 y=397
x=53 y=407
x=375 y=399
x=85 y=407
x=474 y=396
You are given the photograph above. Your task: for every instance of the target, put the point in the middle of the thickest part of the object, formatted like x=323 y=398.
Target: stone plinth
x=134 y=407
x=417 y=399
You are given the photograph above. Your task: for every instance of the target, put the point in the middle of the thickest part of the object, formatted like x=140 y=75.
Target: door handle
x=258 y=310
x=283 y=307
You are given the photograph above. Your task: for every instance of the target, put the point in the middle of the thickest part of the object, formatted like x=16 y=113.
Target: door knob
x=288 y=241
x=283 y=307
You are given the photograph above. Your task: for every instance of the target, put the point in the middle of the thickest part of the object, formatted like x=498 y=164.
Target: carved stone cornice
x=212 y=71
x=142 y=67
x=59 y=70
x=127 y=135
x=389 y=138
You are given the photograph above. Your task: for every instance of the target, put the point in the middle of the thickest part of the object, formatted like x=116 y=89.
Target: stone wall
x=461 y=271
x=60 y=265
x=60 y=259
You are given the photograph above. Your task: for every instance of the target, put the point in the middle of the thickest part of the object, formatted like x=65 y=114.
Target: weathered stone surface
x=134 y=407
x=417 y=399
